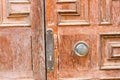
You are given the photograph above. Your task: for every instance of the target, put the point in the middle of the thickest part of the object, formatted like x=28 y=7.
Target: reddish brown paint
x=99 y=29
x=22 y=55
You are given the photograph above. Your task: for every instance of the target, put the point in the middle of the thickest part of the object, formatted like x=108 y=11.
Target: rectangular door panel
x=92 y=26
x=18 y=27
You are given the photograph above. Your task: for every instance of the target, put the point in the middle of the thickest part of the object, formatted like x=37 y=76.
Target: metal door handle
x=81 y=49
x=50 y=50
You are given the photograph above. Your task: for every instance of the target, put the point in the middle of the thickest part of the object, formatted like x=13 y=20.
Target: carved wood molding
x=14 y=13
x=110 y=51
x=106 y=12
x=73 y=12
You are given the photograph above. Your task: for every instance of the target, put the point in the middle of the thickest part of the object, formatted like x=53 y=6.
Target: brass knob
x=81 y=49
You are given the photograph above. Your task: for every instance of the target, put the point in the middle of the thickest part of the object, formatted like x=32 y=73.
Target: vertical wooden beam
x=38 y=41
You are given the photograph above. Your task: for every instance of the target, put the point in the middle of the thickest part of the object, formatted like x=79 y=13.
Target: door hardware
x=50 y=50
x=81 y=49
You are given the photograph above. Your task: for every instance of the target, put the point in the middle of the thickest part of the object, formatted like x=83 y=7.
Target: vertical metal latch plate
x=50 y=50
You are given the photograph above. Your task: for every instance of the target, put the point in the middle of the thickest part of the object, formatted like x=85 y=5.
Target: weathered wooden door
x=95 y=24
x=22 y=40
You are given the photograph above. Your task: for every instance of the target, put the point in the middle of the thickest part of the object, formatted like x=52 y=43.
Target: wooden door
x=95 y=23
x=22 y=40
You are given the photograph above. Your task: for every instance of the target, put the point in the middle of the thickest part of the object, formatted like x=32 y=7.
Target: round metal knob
x=81 y=49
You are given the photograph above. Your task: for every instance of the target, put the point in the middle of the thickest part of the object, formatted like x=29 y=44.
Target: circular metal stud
x=81 y=49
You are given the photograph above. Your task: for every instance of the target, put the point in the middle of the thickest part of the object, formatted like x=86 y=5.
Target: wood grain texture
x=15 y=51
x=73 y=12
x=107 y=8
x=15 y=54
x=22 y=55
x=38 y=41
x=15 y=13
x=109 y=48
x=103 y=16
